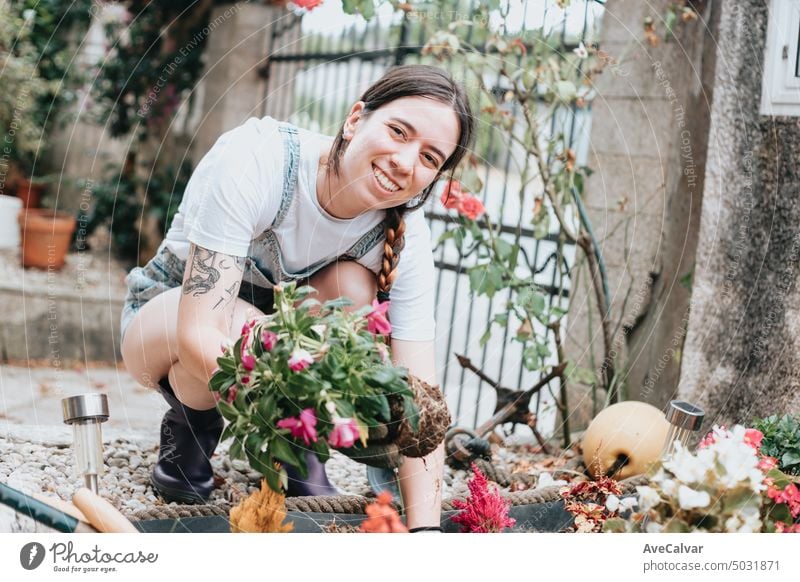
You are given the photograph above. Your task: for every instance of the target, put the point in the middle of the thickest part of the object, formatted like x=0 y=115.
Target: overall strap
x=291 y=161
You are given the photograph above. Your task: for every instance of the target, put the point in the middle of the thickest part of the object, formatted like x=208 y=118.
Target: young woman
x=272 y=203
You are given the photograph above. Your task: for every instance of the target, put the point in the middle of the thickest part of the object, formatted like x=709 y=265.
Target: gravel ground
x=36 y=460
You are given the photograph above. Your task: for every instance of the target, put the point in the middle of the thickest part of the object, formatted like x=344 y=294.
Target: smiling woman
x=273 y=203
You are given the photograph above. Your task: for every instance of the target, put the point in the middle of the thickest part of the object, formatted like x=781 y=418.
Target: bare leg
x=421 y=485
x=150 y=347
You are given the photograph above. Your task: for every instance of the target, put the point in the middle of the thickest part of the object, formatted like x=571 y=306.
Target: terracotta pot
x=30 y=193
x=46 y=235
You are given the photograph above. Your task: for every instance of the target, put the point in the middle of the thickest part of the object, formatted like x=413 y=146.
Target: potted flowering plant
x=312 y=376
x=727 y=485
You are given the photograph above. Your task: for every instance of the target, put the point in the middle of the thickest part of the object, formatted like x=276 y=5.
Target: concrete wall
x=741 y=350
x=648 y=143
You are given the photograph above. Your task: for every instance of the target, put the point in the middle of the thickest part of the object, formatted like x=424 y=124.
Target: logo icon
x=31 y=555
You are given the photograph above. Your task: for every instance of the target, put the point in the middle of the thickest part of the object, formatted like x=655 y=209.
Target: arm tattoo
x=204 y=274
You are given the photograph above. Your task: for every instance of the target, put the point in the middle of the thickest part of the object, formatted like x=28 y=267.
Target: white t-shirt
x=235 y=193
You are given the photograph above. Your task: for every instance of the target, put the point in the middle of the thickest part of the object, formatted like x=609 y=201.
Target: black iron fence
x=316 y=71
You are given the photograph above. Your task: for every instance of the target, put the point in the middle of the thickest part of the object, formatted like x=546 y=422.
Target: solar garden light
x=85 y=413
x=684 y=420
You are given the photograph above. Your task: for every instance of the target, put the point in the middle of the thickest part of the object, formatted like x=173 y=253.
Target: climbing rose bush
x=308 y=377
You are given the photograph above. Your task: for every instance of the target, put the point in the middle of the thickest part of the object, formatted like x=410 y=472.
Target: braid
x=392 y=247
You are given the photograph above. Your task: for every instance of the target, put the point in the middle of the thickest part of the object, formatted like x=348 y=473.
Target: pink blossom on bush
x=302 y=426
x=471 y=207
x=753 y=437
x=300 y=360
x=307 y=4
x=344 y=433
x=451 y=195
x=377 y=323
x=248 y=362
x=232 y=392
x=269 y=339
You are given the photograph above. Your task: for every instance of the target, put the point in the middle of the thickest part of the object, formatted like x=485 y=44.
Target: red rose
x=471 y=207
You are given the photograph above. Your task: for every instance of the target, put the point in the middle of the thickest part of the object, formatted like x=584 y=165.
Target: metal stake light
x=85 y=413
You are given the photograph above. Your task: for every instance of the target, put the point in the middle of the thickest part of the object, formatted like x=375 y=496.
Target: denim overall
x=263 y=266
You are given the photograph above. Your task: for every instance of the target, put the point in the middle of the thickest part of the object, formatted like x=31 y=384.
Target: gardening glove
x=388 y=443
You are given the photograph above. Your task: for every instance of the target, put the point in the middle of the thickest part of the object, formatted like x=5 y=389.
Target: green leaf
x=227 y=410
x=281 y=449
x=504 y=249
x=226 y=364
x=486 y=336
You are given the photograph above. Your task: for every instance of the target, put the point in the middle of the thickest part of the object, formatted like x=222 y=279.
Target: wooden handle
x=62 y=505
x=101 y=514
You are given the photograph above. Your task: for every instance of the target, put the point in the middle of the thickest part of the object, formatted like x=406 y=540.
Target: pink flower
x=245 y=379
x=485 y=510
x=753 y=437
x=344 y=434
x=302 y=426
x=269 y=339
x=300 y=360
x=232 y=392
x=248 y=362
x=248 y=325
x=790 y=495
x=451 y=195
x=471 y=207
x=307 y=4
x=766 y=464
x=376 y=320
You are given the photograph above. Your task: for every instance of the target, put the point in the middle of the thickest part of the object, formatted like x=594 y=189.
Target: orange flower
x=471 y=207
x=382 y=518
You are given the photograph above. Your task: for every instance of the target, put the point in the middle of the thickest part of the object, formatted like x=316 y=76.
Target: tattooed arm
x=210 y=287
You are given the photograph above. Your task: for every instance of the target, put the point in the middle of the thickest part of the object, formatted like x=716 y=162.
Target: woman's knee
x=346 y=279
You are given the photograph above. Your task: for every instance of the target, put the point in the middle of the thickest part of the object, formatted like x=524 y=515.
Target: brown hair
x=410 y=81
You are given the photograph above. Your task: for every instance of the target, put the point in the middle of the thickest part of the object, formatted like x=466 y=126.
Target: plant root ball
x=624 y=438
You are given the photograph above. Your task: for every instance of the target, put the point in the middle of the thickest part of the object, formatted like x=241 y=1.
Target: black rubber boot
x=316 y=483
x=188 y=438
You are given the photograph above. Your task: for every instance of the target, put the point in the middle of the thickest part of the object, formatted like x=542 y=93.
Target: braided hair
x=410 y=81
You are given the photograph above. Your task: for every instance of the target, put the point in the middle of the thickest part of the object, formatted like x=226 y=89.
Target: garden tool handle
x=42 y=512
x=101 y=514
x=62 y=505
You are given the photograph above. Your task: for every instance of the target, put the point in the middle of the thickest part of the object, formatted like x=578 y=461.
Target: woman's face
x=395 y=152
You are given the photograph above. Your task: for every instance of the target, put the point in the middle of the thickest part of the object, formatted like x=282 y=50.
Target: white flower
x=581 y=51
x=748 y=520
x=320 y=329
x=689 y=468
x=612 y=503
x=330 y=407
x=648 y=497
x=628 y=503
x=691 y=499
x=29 y=14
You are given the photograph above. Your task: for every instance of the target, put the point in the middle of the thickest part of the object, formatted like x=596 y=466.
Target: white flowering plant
x=725 y=486
x=308 y=377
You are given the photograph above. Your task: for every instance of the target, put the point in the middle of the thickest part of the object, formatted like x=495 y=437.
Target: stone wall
x=648 y=144
x=741 y=354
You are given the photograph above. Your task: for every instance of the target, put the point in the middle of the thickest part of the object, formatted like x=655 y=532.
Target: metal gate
x=316 y=71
